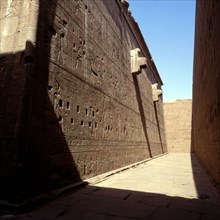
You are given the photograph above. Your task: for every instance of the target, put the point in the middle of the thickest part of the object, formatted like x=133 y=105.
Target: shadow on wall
x=141 y=109
x=199 y=170
x=192 y=136
x=54 y=159
x=143 y=117
x=36 y=157
x=158 y=127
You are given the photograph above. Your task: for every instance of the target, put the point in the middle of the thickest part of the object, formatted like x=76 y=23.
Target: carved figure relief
x=78 y=52
x=97 y=66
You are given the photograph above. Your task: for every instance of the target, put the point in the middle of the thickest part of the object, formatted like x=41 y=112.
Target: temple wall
x=206 y=87
x=178 y=117
x=74 y=110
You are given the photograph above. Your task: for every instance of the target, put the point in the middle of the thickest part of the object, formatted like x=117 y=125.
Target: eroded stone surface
x=71 y=109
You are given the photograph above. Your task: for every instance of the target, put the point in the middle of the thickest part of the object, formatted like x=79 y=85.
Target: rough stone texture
x=137 y=63
x=178 y=117
x=206 y=87
x=70 y=106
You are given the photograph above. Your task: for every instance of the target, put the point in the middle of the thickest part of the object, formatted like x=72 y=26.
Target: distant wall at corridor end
x=206 y=87
x=177 y=115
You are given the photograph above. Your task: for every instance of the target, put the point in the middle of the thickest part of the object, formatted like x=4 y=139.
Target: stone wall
x=72 y=108
x=206 y=87
x=17 y=38
x=178 y=117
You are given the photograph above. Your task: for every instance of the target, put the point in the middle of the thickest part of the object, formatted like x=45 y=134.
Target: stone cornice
x=139 y=37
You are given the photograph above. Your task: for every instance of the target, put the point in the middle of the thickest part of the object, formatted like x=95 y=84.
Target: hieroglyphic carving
x=115 y=52
x=97 y=66
x=92 y=106
x=78 y=52
x=97 y=62
x=78 y=7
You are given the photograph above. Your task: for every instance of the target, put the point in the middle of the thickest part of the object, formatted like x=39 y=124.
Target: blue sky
x=168 y=29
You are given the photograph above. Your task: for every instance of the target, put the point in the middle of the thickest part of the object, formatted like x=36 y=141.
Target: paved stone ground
x=172 y=187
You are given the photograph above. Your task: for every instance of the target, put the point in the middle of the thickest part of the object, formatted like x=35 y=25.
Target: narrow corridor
x=172 y=186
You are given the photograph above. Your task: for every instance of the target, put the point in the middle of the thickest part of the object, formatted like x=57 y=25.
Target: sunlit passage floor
x=172 y=186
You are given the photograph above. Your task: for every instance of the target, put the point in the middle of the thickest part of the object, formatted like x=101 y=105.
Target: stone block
x=137 y=62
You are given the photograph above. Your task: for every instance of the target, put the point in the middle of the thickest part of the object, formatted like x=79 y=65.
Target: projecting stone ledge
x=137 y=63
x=156 y=92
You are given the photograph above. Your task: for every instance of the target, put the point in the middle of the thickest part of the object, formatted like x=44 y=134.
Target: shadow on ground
x=202 y=179
x=92 y=202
